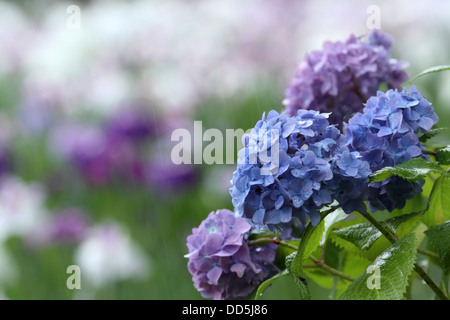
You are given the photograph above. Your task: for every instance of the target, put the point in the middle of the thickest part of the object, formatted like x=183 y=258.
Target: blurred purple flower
x=164 y=175
x=5 y=161
x=97 y=156
x=68 y=225
x=136 y=124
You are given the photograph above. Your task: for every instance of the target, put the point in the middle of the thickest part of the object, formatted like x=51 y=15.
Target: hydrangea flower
x=387 y=134
x=222 y=264
x=341 y=76
x=315 y=167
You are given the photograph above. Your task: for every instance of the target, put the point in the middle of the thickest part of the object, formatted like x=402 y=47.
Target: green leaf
x=330 y=220
x=393 y=267
x=320 y=277
x=268 y=282
x=403 y=227
x=443 y=155
x=431 y=70
x=412 y=170
x=431 y=133
x=364 y=235
x=299 y=281
x=439 y=237
x=313 y=236
x=439 y=204
x=444 y=281
x=315 y=239
x=354 y=265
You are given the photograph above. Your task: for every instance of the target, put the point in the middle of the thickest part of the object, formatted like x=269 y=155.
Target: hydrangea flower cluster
x=387 y=134
x=341 y=76
x=222 y=264
x=315 y=168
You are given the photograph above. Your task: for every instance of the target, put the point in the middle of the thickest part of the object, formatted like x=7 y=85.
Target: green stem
x=428 y=253
x=380 y=228
x=432 y=153
x=331 y=270
x=430 y=282
x=270 y=240
x=417 y=268
x=318 y=264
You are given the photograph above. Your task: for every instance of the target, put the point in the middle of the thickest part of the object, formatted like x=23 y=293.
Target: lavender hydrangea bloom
x=315 y=168
x=342 y=75
x=387 y=134
x=220 y=261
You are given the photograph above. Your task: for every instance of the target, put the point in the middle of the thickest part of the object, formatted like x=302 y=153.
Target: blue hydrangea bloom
x=315 y=168
x=340 y=77
x=222 y=264
x=387 y=134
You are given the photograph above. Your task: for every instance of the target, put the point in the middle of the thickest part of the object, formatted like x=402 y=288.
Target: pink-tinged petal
x=241 y=225
x=213 y=243
x=239 y=268
x=227 y=217
x=214 y=275
x=227 y=251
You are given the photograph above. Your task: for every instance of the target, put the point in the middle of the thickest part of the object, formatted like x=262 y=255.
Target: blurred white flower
x=22 y=207
x=14 y=36
x=108 y=254
x=174 y=55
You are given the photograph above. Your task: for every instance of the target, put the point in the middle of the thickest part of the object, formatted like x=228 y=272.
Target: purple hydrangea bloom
x=315 y=168
x=220 y=261
x=387 y=134
x=341 y=76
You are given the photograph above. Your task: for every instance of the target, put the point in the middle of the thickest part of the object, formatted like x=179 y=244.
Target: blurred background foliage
x=86 y=118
